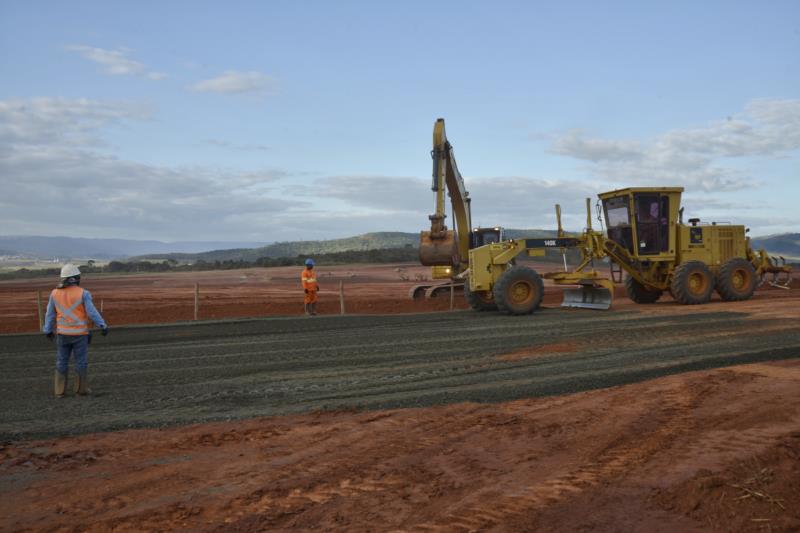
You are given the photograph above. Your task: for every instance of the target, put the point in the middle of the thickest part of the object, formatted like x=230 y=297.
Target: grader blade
x=587 y=297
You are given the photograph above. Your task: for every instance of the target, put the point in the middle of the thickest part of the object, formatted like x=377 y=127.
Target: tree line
x=406 y=254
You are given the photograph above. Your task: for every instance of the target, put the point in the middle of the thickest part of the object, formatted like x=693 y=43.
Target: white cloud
x=384 y=193
x=236 y=82
x=575 y=144
x=516 y=202
x=116 y=62
x=693 y=156
x=53 y=176
x=51 y=172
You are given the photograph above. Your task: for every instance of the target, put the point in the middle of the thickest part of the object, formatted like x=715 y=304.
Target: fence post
x=196 y=300
x=39 y=308
x=341 y=297
x=452 y=294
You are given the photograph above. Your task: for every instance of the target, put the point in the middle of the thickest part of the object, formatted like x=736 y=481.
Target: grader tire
x=639 y=293
x=692 y=283
x=479 y=300
x=519 y=291
x=736 y=280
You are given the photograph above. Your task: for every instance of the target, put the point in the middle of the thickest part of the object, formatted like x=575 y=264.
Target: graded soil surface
x=643 y=418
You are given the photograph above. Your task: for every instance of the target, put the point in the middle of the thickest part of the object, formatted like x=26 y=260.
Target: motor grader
x=645 y=241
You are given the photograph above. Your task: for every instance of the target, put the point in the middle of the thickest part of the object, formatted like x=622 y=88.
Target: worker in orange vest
x=68 y=313
x=311 y=287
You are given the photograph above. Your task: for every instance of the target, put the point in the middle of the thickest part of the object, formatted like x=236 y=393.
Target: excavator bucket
x=587 y=297
x=439 y=250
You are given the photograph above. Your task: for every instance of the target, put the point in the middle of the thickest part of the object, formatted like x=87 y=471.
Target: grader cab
x=648 y=240
x=648 y=248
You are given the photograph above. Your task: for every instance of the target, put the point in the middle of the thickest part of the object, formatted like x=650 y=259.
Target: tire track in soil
x=343 y=479
x=673 y=419
x=152 y=376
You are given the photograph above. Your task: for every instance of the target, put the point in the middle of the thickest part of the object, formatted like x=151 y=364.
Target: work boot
x=314 y=309
x=307 y=308
x=82 y=384
x=60 y=384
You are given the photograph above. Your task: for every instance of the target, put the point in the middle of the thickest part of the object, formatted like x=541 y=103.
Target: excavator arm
x=442 y=246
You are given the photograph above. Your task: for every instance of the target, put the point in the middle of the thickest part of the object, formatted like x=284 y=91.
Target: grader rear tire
x=639 y=293
x=736 y=280
x=519 y=291
x=692 y=283
x=479 y=300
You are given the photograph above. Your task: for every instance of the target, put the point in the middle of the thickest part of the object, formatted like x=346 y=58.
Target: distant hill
x=66 y=248
x=368 y=241
x=785 y=244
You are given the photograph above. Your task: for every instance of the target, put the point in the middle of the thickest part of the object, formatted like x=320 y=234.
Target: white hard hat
x=69 y=270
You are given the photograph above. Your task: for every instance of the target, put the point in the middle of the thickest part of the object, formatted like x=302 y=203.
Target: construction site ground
x=642 y=418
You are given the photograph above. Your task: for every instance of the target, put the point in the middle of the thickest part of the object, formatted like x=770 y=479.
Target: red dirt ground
x=705 y=451
x=370 y=289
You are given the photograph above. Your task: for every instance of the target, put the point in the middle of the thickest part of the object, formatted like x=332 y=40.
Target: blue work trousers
x=77 y=345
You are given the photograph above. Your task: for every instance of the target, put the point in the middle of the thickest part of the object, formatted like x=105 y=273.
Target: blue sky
x=274 y=121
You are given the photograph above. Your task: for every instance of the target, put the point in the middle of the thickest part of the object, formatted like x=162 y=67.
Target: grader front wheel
x=639 y=293
x=518 y=291
x=736 y=280
x=479 y=300
x=692 y=283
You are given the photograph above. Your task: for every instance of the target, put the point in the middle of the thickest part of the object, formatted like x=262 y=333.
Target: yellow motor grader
x=645 y=241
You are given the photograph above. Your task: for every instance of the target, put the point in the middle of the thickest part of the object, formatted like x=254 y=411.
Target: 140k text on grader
x=645 y=242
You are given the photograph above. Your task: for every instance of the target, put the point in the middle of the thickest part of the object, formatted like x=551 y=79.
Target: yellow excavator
x=447 y=250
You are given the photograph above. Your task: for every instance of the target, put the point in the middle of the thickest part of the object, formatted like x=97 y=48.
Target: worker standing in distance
x=67 y=320
x=310 y=286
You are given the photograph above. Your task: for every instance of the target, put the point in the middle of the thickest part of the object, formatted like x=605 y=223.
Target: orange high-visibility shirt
x=71 y=317
x=309 y=279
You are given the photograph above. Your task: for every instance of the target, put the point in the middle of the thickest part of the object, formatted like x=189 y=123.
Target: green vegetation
x=383 y=247
x=406 y=254
x=362 y=243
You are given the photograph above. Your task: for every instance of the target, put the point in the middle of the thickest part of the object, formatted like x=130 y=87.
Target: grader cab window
x=652 y=212
x=618 y=220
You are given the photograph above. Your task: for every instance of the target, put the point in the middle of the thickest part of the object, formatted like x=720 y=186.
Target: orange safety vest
x=71 y=317
x=309 y=279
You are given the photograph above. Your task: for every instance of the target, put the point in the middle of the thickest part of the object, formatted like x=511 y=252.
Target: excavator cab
x=482 y=236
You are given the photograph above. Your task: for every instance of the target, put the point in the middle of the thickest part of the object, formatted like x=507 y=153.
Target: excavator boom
x=442 y=246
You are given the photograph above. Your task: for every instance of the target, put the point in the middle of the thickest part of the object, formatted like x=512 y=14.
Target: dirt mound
x=755 y=494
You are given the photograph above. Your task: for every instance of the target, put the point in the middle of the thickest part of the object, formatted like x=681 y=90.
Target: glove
x=306 y=291
x=104 y=331
x=50 y=336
